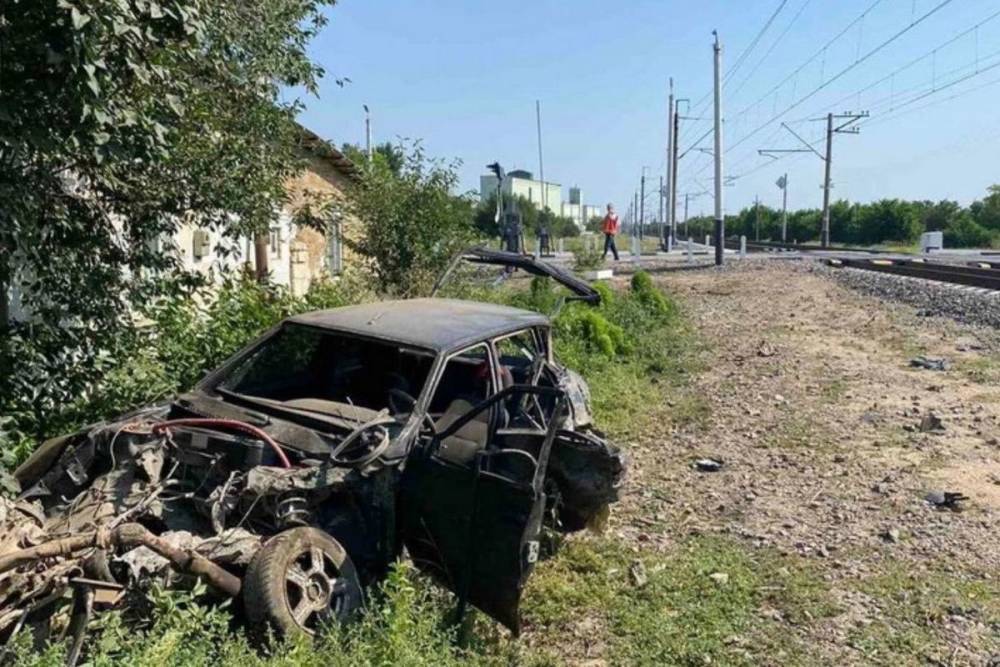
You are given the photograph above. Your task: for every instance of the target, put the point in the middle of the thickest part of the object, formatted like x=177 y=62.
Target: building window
x=336 y=247
x=274 y=241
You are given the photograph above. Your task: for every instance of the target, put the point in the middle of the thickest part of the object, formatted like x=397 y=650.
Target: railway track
x=734 y=244
x=972 y=276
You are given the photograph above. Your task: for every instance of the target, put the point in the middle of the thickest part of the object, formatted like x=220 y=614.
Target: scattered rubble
x=708 y=465
x=930 y=363
x=949 y=500
x=931 y=423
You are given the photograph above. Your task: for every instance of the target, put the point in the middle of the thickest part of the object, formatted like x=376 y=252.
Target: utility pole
x=720 y=221
x=642 y=201
x=661 y=218
x=541 y=166
x=673 y=169
x=825 y=234
x=368 y=132
x=756 y=224
x=668 y=221
x=635 y=213
x=844 y=128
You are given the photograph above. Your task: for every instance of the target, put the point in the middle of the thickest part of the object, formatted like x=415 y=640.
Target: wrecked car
x=294 y=475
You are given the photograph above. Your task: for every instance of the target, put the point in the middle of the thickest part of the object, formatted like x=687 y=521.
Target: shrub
x=964 y=232
x=587 y=259
x=650 y=297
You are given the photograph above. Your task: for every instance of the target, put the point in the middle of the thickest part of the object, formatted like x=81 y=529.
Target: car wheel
x=298 y=581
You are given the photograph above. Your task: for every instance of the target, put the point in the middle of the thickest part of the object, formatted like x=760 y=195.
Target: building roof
x=442 y=325
x=323 y=149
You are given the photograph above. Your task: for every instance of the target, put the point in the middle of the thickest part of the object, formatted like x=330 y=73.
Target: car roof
x=442 y=325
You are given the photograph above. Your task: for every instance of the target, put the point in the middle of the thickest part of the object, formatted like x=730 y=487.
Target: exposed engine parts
x=292 y=477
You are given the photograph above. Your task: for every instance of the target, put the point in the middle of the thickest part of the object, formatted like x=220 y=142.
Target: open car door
x=581 y=289
x=472 y=500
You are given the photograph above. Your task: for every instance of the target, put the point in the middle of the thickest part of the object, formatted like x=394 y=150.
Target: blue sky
x=463 y=76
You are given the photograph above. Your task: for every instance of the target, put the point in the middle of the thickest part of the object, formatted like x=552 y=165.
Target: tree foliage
x=888 y=221
x=119 y=122
x=413 y=222
x=392 y=155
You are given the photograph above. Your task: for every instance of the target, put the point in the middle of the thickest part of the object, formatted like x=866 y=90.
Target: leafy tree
x=888 y=220
x=392 y=155
x=940 y=215
x=963 y=231
x=413 y=222
x=986 y=213
x=120 y=121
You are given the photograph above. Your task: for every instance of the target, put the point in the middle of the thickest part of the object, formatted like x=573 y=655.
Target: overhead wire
x=746 y=52
x=931 y=12
x=921 y=58
x=774 y=45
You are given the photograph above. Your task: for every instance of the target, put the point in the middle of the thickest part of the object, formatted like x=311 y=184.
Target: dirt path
x=809 y=399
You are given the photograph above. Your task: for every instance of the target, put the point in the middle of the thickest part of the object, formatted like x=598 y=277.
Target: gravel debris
x=965 y=304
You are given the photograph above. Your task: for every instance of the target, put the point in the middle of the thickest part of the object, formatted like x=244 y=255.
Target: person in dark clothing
x=610 y=227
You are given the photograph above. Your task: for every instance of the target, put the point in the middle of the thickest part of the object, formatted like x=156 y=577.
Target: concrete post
x=690 y=250
x=708 y=240
x=562 y=246
x=743 y=247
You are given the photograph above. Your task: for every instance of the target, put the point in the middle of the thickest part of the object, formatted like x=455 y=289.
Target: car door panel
x=475 y=527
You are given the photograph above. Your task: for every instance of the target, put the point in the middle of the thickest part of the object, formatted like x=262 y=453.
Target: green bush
x=184 y=337
x=964 y=232
x=587 y=259
x=404 y=624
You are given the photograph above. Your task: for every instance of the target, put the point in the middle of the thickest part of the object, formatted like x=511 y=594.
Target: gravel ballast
x=965 y=304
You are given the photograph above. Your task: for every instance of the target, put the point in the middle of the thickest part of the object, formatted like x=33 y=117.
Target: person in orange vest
x=610 y=227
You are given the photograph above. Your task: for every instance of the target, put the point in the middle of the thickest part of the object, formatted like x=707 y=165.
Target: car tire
x=297 y=582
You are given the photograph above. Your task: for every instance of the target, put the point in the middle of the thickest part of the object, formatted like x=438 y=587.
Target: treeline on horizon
x=887 y=221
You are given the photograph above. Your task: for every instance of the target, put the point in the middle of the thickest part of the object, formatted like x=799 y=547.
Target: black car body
x=294 y=475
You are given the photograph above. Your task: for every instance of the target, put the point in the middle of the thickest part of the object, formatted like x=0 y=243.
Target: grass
x=680 y=615
x=982 y=370
x=636 y=352
x=913 y=623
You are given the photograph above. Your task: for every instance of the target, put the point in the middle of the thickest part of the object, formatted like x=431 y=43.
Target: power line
x=756 y=40
x=886 y=119
x=941 y=88
x=773 y=46
x=817 y=54
x=919 y=59
x=788 y=78
x=941 y=5
x=750 y=47
x=923 y=90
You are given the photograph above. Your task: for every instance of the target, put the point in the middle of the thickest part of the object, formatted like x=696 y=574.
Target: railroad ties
x=976 y=276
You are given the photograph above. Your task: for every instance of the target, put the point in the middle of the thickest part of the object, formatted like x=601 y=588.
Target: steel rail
x=986 y=278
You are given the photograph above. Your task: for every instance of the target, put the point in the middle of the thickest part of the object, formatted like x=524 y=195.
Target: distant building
x=521 y=183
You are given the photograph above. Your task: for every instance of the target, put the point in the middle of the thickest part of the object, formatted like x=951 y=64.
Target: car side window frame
x=443 y=360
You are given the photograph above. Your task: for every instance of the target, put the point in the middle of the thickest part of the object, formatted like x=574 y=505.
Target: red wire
x=231 y=424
